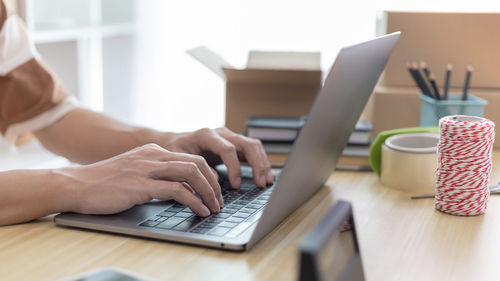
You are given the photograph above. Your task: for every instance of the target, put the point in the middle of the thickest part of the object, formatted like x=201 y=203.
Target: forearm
x=84 y=136
x=29 y=194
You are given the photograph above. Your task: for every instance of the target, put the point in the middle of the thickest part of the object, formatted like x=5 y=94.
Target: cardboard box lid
x=442 y=38
x=265 y=67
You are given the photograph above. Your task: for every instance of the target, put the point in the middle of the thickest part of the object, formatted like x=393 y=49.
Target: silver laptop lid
x=330 y=122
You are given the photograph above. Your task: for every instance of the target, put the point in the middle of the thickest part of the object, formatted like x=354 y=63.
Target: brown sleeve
x=3 y=14
x=26 y=92
x=27 y=87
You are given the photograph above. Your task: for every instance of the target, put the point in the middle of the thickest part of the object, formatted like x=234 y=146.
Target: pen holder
x=432 y=110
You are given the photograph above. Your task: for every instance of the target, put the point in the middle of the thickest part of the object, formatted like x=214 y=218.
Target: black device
x=329 y=251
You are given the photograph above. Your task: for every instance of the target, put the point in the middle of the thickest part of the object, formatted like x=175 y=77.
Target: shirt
x=31 y=95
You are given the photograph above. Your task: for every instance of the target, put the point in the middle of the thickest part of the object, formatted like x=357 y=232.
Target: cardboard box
x=272 y=84
x=441 y=38
x=399 y=107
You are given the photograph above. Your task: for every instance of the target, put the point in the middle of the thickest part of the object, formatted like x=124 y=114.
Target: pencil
x=449 y=68
x=432 y=80
x=421 y=80
x=416 y=79
x=426 y=70
x=427 y=73
x=467 y=82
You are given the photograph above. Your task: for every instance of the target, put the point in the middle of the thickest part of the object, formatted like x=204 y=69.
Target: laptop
x=250 y=213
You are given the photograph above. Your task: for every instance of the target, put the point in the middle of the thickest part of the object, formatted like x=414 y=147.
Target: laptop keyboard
x=242 y=207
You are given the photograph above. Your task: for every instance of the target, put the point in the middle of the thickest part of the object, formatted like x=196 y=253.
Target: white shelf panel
x=31 y=156
x=75 y=34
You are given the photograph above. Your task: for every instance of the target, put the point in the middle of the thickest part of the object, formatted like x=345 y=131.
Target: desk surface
x=400 y=239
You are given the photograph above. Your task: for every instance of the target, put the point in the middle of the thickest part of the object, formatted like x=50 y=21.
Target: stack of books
x=279 y=133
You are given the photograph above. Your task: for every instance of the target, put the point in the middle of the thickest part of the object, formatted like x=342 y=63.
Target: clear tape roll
x=409 y=162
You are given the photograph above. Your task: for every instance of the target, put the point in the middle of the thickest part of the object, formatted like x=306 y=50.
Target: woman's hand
x=223 y=146
x=144 y=173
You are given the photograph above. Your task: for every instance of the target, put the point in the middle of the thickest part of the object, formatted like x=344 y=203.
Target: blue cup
x=431 y=110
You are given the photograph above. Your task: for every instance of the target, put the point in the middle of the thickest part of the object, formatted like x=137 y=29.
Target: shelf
x=73 y=34
x=31 y=156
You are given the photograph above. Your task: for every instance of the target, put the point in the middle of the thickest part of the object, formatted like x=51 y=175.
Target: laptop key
x=170 y=222
x=200 y=230
x=236 y=206
x=228 y=211
x=219 y=231
x=217 y=220
x=248 y=210
x=221 y=215
x=195 y=219
x=183 y=215
x=235 y=219
x=167 y=214
x=209 y=224
x=149 y=223
x=241 y=215
x=228 y=224
x=254 y=206
x=242 y=202
x=183 y=226
x=162 y=219
x=175 y=209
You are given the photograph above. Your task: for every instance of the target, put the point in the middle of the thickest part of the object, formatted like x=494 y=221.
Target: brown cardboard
x=273 y=84
x=442 y=38
x=399 y=107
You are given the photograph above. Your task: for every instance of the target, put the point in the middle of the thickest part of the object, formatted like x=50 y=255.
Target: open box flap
x=284 y=60
x=210 y=59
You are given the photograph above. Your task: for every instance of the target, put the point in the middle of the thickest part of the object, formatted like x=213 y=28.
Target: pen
x=432 y=80
x=416 y=79
x=467 y=82
x=449 y=67
x=423 y=83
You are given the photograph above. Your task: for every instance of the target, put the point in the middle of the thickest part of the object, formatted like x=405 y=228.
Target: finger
x=165 y=190
x=254 y=154
x=206 y=170
x=187 y=172
x=155 y=152
x=215 y=173
x=226 y=151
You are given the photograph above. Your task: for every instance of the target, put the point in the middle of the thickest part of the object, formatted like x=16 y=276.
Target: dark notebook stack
x=279 y=133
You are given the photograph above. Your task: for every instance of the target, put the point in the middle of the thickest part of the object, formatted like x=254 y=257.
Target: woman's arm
x=84 y=136
x=110 y=186
x=30 y=194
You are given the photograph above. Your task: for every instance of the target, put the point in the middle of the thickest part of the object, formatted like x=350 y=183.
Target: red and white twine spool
x=464 y=164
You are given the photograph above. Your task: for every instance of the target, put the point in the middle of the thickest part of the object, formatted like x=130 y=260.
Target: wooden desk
x=400 y=239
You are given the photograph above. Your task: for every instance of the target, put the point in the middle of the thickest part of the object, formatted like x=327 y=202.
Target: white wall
x=174 y=92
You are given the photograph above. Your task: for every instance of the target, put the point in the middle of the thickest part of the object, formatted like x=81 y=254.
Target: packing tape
x=409 y=162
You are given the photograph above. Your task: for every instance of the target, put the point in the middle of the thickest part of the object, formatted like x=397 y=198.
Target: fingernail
x=237 y=182
x=270 y=176
x=262 y=181
x=205 y=211
x=217 y=204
